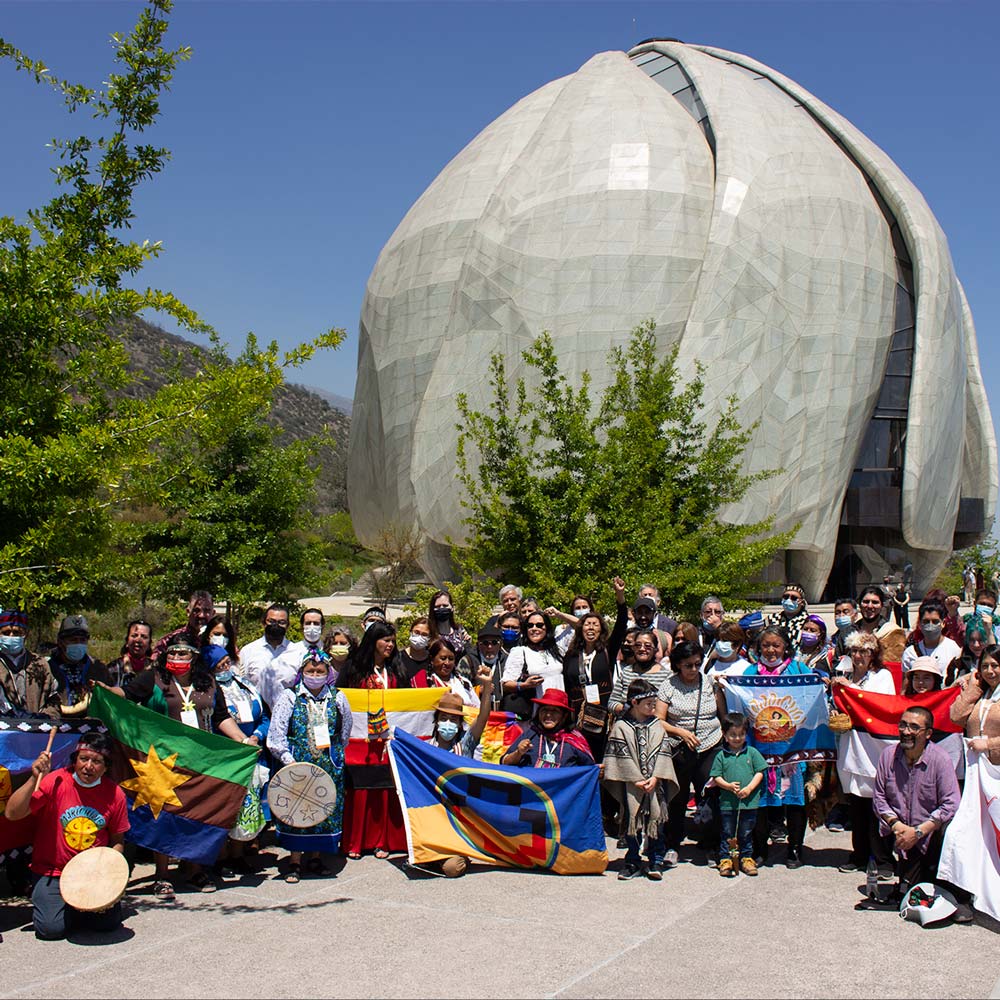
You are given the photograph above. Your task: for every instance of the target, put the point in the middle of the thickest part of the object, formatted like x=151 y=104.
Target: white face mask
x=311 y=633
x=84 y=784
x=218 y=640
x=418 y=641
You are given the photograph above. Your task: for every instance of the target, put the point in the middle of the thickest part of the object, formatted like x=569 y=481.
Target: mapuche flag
x=546 y=818
x=185 y=787
x=21 y=741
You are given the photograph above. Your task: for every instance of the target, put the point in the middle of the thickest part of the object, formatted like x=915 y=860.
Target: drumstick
x=48 y=749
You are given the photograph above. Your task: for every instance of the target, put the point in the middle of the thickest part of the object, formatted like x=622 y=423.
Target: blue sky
x=302 y=132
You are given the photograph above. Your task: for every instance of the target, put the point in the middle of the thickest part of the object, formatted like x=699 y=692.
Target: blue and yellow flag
x=511 y=816
x=789 y=718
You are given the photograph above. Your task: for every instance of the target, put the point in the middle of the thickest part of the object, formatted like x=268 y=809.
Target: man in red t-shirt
x=75 y=808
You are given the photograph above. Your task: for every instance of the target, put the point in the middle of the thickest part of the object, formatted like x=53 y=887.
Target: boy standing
x=738 y=772
x=639 y=772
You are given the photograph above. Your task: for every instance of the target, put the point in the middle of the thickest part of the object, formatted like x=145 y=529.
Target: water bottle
x=871 y=879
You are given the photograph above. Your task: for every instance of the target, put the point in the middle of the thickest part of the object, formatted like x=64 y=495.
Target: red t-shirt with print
x=70 y=818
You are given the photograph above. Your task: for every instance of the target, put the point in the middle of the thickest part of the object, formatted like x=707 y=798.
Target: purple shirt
x=926 y=791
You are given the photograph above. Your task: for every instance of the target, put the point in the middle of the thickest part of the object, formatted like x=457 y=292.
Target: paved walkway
x=379 y=930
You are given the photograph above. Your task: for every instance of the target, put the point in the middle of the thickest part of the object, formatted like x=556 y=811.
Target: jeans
x=53 y=918
x=742 y=829
x=654 y=850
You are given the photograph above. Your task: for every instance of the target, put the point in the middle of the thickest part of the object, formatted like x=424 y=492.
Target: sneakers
x=748 y=867
x=655 y=872
x=670 y=859
x=848 y=867
x=794 y=859
x=835 y=826
x=726 y=869
x=629 y=871
x=963 y=914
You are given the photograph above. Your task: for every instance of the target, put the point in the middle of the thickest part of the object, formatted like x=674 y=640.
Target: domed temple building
x=779 y=246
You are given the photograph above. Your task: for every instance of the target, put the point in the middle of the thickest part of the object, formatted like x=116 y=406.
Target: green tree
x=984 y=559
x=560 y=494
x=73 y=452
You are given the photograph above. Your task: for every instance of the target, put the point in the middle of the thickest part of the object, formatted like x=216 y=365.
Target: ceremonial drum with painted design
x=94 y=880
x=301 y=795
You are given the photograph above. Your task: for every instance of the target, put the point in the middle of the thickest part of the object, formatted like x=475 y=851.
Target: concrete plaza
x=378 y=929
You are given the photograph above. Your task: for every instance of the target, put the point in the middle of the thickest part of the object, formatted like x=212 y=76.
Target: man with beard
x=916 y=794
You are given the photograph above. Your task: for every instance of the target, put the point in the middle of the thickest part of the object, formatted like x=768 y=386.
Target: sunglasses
x=540 y=625
x=489 y=642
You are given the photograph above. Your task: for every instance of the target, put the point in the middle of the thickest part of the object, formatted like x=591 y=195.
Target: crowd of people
x=634 y=693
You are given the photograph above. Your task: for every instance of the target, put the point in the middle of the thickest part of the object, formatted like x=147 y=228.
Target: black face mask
x=442 y=614
x=275 y=633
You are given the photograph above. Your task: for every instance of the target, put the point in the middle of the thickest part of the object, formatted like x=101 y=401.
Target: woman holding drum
x=310 y=725
x=76 y=809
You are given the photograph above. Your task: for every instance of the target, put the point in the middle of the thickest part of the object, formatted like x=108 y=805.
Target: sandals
x=293 y=875
x=354 y=856
x=315 y=866
x=381 y=853
x=164 y=891
x=201 y=882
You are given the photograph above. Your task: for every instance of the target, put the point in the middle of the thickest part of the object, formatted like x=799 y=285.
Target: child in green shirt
x=737 y=772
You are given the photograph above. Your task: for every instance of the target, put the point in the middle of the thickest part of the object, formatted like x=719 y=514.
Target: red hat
x=555 y=698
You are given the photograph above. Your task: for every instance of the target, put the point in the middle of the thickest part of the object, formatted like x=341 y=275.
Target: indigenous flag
x=185 y=787
x=970 y=855
x=789 y=720
x=514 y=817
x=875 y=721
x=21 y=741
x=377 y=710
x=502 y=728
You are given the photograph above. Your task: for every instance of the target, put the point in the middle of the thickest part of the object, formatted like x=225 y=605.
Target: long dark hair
x=432 y=622
x=577 y=646
x=360 y=664
x=128 y=628
x=230 y=633
x=548 y=644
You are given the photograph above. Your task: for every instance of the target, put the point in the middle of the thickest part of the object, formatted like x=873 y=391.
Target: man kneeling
x=76 y=807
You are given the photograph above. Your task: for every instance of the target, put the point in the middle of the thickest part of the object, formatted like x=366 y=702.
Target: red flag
x=879 y=714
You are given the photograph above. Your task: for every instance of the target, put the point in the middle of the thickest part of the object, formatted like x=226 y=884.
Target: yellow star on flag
x=155 y=782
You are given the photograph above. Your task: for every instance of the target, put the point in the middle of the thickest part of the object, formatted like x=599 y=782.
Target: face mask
x=339 y=652
x=724 y=649
x=510 y=634
x=443 y=613
x=931 y=631
x=224 y=676
x=985 y=611
x=311 y=633
x=448 y=730
x=790 y=606
x=314 y=683
x=178 y=666
x=772 y=661
x=581 y=612
x=843 y=621
x=709 y=628
x=12 y=644
x=275 y=632
x=218 y=640
x=368 y=624
x=808 y=639
x=85 y=784
x=489 y=660
x=76 y=651
x=418 y=641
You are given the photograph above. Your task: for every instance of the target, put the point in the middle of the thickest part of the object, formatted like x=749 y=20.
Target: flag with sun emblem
x=789 y=718
x=547 y=818
x=184 y=787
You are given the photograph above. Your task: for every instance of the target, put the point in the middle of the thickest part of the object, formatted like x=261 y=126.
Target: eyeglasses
x=643 y=645
x=910 y=727
x=861 y=652
x=789 y=597
x=489 y=642
x=536 y=625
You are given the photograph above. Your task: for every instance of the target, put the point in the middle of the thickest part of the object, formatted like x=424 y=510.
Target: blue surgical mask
x=510 y=634
x=985 y=611
x=790 y=605
x=76 y=651
x=724 y=649
x=580 y=612
x=843 y=621
x=224 y=676
x=12 y=644
x=447 y=730
x=83 y=784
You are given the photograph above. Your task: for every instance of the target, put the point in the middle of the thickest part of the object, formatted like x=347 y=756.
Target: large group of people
x=634 y=693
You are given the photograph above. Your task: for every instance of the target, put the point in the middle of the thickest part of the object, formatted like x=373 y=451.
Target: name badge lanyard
x=189 y=714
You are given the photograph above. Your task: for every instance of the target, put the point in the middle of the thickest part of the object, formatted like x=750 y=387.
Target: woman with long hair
x=373 y=820
x=530 y=665
x=441 y=618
